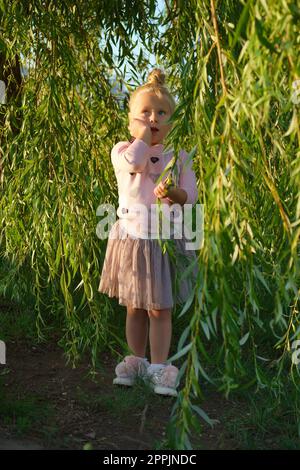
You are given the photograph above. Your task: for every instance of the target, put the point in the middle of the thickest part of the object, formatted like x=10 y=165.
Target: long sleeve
x=130 y=157
x=187 y=179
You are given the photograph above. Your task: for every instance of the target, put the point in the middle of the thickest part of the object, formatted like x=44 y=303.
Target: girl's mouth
x=154 y=130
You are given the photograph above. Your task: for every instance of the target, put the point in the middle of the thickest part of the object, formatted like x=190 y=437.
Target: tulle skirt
x=141 y=274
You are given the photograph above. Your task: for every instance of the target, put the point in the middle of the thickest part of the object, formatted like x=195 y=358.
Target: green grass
x=123 y=402
x=22 y=414
x=16 y=322
x=14 y=326
x=263 y=424
x=19 y=322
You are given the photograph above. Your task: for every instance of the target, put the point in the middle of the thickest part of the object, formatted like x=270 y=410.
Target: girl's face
x=155 y=111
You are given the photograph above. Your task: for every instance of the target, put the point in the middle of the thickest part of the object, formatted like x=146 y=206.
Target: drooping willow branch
x=217 y=40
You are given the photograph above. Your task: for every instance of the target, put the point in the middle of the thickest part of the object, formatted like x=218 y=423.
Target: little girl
x=135 y=270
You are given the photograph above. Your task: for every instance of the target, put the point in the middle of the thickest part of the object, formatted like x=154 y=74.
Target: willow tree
x=56 y=169
x=234 y=67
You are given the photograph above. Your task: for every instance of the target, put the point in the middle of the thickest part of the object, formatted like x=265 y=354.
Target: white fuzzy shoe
x=129 y=369
x=164 y=380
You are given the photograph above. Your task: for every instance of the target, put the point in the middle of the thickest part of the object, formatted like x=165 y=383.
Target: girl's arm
x=187 y=191
x=130 y=157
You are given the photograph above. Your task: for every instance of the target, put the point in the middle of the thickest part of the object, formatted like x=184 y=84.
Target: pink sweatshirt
x=137 y=167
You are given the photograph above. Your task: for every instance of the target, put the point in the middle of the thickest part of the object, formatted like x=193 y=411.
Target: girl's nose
x=153 y=117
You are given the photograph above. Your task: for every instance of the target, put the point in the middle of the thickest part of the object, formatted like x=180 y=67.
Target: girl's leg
x=160 y=334
x=137 y=330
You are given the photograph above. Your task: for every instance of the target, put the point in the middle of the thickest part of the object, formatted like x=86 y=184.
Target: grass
x=21 y=414
x=263 y=423
x=124 y=401
x=17 y=323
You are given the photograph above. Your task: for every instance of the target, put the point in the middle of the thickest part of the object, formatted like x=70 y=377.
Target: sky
x=128 y=75
x=151 y=57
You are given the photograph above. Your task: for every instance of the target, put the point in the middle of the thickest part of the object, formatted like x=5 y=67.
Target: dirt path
x=49 y=405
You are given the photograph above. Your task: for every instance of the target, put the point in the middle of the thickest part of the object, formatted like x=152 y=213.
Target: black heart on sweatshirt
x=154 y=159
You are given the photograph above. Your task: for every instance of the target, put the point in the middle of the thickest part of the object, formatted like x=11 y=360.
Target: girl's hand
x=139 y=128
x=162 y=189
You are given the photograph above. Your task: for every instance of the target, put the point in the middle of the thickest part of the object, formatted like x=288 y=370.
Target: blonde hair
x=155 y=84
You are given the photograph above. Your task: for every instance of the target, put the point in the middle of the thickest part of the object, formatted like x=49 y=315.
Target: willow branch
x=213 y=14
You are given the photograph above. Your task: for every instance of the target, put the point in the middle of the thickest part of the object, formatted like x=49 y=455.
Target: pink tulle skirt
x=140 y=275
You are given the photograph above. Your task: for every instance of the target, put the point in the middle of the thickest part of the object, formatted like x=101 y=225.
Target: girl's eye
x=162 y=112
x=145 y=111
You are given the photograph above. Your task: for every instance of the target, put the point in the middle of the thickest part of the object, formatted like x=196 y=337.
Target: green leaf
x=183 y=337
x=187 y=304
x=261 y=278
x=203 y=415
x=244 y=339
x=181 y=353
x=260 y=33
x=242 y=24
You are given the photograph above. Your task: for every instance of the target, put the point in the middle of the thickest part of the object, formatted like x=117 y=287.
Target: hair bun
x=156 y=77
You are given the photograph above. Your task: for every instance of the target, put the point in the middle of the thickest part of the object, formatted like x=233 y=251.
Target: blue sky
x=151 y=58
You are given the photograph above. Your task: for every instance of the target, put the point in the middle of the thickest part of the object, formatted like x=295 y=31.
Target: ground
x=48 y=404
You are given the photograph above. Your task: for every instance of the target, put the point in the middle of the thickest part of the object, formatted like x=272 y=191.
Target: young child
x=135 y=270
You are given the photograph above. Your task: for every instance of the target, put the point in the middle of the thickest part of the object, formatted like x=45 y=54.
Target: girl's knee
x=136 y=311
x=160 y=314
